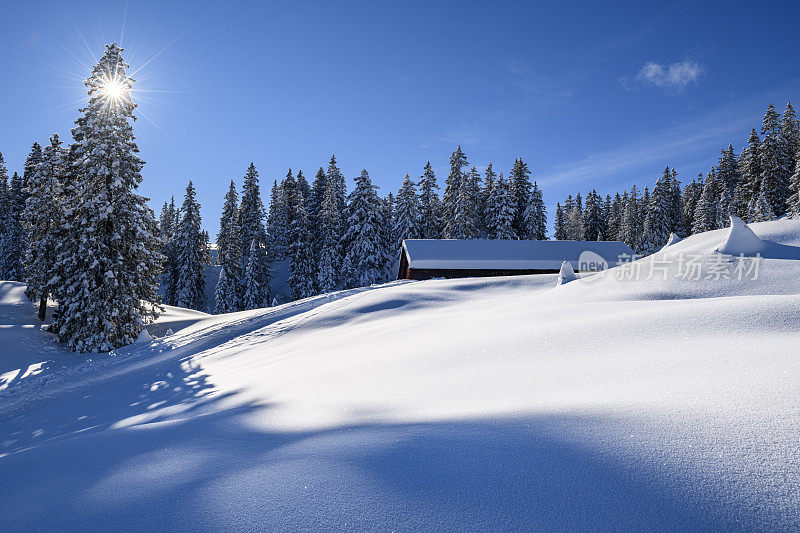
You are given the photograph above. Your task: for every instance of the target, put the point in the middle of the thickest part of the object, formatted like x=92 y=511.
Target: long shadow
x=210 y=468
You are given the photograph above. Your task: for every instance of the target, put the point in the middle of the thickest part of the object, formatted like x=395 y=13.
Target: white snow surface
x=620 y=401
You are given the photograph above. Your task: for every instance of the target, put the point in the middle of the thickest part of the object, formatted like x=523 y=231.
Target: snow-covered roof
x=513 y=255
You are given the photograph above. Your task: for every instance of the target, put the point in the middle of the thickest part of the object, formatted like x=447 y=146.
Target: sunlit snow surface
x=624 y=400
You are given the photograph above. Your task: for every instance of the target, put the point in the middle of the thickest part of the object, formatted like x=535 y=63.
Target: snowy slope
x=473 y=404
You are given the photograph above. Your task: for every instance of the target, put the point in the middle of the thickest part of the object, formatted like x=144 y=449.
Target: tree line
x=332 y=239
x=760 y=183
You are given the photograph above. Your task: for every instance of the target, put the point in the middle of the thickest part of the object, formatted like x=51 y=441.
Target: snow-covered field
x=625 y=400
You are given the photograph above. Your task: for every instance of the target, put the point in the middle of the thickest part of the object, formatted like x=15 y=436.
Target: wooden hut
x=460 y=258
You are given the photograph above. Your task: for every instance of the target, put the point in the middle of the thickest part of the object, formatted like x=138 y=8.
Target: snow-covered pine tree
x=691 y=196
x=573 y=218
x=301 y=258
x=387 y=224
x=790 y=131
x=794 y=200
x=5 y=214
x=190 y=252
x=657 y=223
x=336 y=178
x=41 y=218
x=406 y=223
x=465 y=217
x=759 y=209
x=615 y=218
x=675 y=204
x=705 y=213
x=15 y=243
x=723 y=209
x=521 y=185
x=608 y=210
x=750 y=169
x=313 y=204
x=429 y=205
x=452 y=191
x=109 y=273
x=168 y=226
x=630 y=228
x=593 y=217
x=303 y=187
x=277 y=224
x=366 y=258
x=559 y=224
x=486 y=193
x=251 y=212
x=502 y=210
x=256 y=292
x=227 y=295
x=536 y=215
x=728 y=170
x=329 y=262
x=774 y=163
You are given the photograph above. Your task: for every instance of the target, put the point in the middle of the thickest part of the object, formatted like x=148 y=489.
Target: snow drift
x=636 y=398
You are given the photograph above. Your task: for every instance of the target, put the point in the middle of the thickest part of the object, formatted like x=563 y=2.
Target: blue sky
x=589 y=95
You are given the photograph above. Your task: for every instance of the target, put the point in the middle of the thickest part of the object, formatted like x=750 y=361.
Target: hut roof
x=477 y=254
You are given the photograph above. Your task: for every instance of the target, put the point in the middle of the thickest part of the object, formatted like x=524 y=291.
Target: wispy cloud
x=698 y=140
x=673 y=77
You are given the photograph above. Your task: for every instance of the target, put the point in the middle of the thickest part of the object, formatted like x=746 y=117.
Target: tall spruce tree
x=277 y=224
x=251 y=212
x=773 y=159
x=168 y=226
x=452 y=192
x=559 y=224
x=190 y=254
x=536 y=215
x=227 y=295
x=5 y=214
x=502 y=209
x=521 y=185
x=366 y=258
x=750 y=168
x=691 y=196
x=42 y=217
x=406 y=220
x=339 y=184
x=429 y=205
x=593 y=217
x=760 y=209
x=790 y=131
x=256 y=289
x=705 y=213
x=794 y=199
x=465 y=215
x=657 y=223
x=109 y=274
x=329 y=262
x=301 y=258
x=313 y=206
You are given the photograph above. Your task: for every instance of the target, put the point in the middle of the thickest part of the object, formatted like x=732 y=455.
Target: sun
x=113 y=90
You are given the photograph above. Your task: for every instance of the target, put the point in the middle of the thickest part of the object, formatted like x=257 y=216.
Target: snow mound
x=742 y=241
x=144 y=337
x=566 y=274
x=672 y=240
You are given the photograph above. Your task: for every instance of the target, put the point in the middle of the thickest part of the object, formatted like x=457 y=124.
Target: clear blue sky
x=588 y=94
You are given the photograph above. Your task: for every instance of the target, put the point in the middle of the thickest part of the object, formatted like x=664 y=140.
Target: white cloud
x=673 y=77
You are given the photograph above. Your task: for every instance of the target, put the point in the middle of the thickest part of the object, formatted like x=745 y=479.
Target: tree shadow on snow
x=197 y=465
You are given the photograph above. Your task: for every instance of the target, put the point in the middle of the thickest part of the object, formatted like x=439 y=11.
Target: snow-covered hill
x=640 y=398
